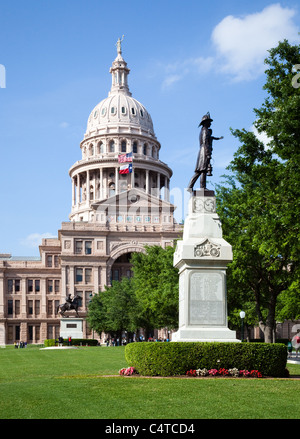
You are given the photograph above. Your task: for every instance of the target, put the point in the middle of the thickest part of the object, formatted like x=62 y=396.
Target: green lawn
x=51 y=384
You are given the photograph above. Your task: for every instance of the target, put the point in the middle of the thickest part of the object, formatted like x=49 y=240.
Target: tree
x=113 y=310
x=156 y=287
x=260 y=205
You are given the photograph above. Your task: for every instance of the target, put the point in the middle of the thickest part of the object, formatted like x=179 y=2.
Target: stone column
x=167 y=191
x=2 y=295
x=63 y=292
x=78 y=190
x=72 y=280
x=101 y=196
x=158 y=185
x=88 y=187
x=73 y=191
x=96 y=279
x=147 y=181
x=23 y=300
x=132 y=178
x=44 y=298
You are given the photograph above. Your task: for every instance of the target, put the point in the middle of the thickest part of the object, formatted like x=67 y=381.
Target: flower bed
x=128 y=371
x=234 y=372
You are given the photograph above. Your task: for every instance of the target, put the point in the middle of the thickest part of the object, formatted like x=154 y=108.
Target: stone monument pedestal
x=71 y=327
x=201 y=257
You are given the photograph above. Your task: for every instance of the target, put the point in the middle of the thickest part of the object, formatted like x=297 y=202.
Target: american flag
x=123 y=158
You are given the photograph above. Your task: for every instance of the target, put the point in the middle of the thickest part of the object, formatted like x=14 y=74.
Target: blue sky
x=186 y=58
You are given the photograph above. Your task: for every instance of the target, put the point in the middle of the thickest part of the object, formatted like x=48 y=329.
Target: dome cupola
x=120 y=111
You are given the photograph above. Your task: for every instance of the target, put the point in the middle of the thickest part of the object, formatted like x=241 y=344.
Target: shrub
x=169 y=359
x=75 y=342
x=49 y=342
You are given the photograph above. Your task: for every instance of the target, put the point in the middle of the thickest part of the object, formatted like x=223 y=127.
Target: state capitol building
x=120 y=203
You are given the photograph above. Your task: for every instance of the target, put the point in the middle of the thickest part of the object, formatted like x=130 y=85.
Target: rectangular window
x=30 y=307
x=78 y=275
x=17 y=307
x=88 y=247
x=56 y=304
x=17 y=285
x=18 y=330
x=37 y=285
x=29 y=285
x=10 y=305
x=30 y=333
x=49 y=261
x=78 y=247
x=50 y=286
x=56 y=286
x=50 y=307
x=37 y=333
x=10 y=285
x=56 y=261
x=37 y=307
x=88 y=275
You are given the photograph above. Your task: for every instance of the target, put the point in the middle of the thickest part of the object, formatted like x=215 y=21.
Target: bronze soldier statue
x=203 y=166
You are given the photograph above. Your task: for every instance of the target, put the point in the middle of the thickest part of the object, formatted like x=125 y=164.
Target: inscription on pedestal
x=207 y=299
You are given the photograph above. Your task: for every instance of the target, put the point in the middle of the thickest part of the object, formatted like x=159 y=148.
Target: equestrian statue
x=69 y=305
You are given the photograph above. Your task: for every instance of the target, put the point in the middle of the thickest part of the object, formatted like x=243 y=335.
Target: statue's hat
x=205 y=118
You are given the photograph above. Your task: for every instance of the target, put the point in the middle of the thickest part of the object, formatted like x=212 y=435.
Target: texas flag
x=125 y=169
x=123 y=158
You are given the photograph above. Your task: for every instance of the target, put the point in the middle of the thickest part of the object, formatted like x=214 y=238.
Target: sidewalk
x=293 y=359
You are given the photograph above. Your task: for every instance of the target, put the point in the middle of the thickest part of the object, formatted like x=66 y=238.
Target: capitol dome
x=120 y=154
x=120 y=110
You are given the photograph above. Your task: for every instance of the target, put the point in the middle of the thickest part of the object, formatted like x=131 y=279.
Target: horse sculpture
x=69 y=305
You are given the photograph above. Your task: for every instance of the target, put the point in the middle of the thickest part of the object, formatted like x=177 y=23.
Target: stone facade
x=113 y=214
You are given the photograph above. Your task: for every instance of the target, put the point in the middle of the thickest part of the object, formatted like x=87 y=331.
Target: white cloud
x=241 y=45
x=177 y=71
x=242 y=42
x=35 y=239
x=64 y=125
x=170 y=80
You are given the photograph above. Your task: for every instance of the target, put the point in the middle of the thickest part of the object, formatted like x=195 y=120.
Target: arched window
x=145 y=149
x=123 y=146
x=112 y=189
x=91 y=192
x=134 y=147
x=100 y=148
x=111 y=146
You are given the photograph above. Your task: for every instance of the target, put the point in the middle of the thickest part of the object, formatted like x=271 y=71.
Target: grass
x=51 y=384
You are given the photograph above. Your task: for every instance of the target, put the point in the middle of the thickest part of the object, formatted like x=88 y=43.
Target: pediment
x=133 y=199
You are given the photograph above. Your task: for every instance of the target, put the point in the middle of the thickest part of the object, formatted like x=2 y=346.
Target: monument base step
x=219 y=334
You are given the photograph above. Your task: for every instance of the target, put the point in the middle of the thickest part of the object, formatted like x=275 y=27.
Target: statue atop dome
x=119 y=46
x=203 y=165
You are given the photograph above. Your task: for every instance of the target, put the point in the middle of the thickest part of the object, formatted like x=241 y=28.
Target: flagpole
x=132 y=174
